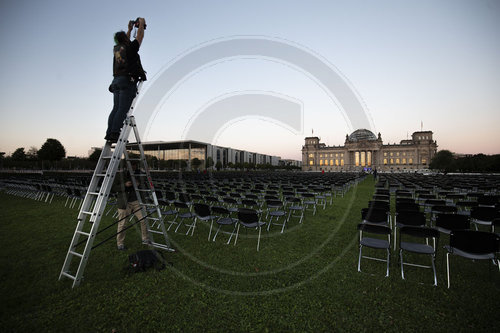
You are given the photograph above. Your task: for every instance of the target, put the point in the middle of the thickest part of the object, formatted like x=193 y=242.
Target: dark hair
x=121 y=37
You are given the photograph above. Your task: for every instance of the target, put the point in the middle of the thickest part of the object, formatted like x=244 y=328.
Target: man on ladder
x=128 y=78
x=127 y=71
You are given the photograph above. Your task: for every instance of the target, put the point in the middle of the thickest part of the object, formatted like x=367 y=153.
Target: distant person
x=127 y=71
x=375 y=173
x=127 y=204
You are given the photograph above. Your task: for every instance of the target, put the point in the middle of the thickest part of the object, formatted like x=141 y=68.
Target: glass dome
x=362 y=135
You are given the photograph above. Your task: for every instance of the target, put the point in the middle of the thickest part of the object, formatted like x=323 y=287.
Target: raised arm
x=130 y=27
x=140 y=30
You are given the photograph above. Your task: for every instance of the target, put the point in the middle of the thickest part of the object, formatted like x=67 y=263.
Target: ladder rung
x=68 y=275
x=153 y=218
x=107 y=157
x=85 y=212
x=143 y=190
x=94 y=193
x=156 y=232
x=76 y=254
x=83 y=233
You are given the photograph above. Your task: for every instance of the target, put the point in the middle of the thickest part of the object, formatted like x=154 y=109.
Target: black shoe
x=113 y=137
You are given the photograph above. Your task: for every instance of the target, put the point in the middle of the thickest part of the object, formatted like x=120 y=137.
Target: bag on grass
x=144 y=259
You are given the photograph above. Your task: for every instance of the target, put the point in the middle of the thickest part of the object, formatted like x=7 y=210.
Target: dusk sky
x=412 y=64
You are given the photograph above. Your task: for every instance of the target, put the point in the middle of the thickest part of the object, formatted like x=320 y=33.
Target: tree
x=443 y=160
x=195 y=163
x=218 y=165
x=52 y=150
x=209 y=162
x=94 y=157
x=32 y=153
x=19 y=155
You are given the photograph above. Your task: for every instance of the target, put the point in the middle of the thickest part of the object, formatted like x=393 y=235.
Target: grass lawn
x=303 y=280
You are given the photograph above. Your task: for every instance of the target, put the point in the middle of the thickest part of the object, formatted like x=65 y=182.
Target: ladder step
x=68 y=275
x=76 y=254
x=156 y=232
x=83 y=233
x=88 y=213
x=94 y=193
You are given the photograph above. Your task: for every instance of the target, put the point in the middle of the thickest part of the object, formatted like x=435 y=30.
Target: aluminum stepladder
x=97 y=195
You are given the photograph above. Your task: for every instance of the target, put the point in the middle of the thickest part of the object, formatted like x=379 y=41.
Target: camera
x=136 y=23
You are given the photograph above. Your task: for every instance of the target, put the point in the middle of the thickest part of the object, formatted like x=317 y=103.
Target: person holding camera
x=127 y=71
x=127 y=204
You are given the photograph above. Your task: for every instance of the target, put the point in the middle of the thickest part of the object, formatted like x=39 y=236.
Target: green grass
x=302 y=280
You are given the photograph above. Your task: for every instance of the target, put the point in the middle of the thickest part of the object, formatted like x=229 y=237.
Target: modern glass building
x=178 y=154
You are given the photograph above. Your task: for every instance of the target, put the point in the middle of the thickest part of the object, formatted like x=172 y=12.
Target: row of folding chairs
x=418 y=237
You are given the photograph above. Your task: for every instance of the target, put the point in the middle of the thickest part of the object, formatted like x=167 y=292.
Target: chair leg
x=237 y=233
x=359 y=258
x=448 y=268
x=210 y=231
x=258 y=239
x=433 y=258
x=402 y=264
x=388 y=258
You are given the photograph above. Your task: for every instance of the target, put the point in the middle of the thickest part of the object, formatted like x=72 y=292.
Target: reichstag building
x=363 y=150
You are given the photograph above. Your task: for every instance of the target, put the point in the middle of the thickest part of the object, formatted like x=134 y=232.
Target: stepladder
x=98 y=195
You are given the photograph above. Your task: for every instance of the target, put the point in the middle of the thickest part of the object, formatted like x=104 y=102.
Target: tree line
x=52 y=155
x=445 y=161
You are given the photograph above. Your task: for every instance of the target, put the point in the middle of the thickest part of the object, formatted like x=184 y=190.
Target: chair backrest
x=374 y=215
x=220 y=210
x=411 y=218
x=421 y=232
x=477 y=242
x=407 y=206
x=374 y=229
x=246 y=215
x=184 y=197
x=483 y=213
x=202 y=209
x=452 y=221
x=444 y=209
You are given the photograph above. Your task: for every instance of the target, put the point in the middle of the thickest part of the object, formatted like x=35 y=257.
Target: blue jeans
x=124 y=91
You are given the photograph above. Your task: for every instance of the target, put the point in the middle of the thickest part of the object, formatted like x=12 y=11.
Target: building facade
x=362 y=150
x=188 y=150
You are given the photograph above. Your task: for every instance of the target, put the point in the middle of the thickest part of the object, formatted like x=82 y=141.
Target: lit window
x=392 y=153
x=311 y=155
x=342 y=155
x=385 y=160
x=410 y=161
x=404 y=160
x=337 y=162
x=342 y=162
x=385 y=153
x=397 y=154
x=336 y=155
x=311 y=162
x=392 y=161
x=424 y=161
x=320 y=155
x=356 y=157
x=320 y=162
x=331 y=162
x=397 y=160
x=404 y=153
